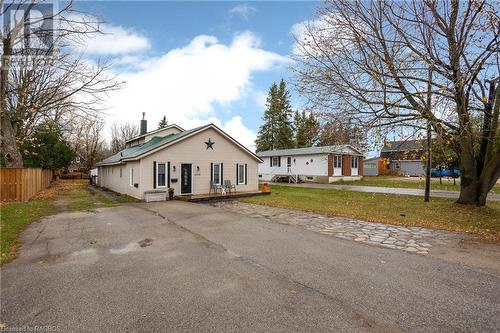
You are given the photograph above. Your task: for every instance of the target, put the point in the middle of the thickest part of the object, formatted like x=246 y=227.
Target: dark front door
x=186 y=179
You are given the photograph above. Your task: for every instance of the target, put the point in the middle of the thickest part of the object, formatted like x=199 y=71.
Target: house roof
x=404 y=145
x=156 y=143
x=155 y=131
x=336 y=149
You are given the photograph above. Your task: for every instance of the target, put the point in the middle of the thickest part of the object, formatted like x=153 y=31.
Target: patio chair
x=228 y=186
x=214 y=187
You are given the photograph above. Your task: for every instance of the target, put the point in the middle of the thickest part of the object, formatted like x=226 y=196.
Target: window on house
x=337 y=161
x=131 y=176
x=275 y=161
x=161 y=171
x=216 y=175
x=121 y=172
x=354 y=162
x=241 y=174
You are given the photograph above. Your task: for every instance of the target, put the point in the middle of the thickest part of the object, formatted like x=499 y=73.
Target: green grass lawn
x=411 y=182
x=440 y=213
x=64 y=195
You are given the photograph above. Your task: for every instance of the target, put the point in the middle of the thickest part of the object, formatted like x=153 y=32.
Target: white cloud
x=187 y=83
x=240 y=132
x=243 y=10
x=259 y=97
x=114 y=40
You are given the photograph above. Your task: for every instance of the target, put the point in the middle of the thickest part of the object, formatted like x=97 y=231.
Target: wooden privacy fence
x=20 y=184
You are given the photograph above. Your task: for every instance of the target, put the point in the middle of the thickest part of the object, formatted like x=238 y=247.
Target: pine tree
x=277 y=130
x=307 y=129
x=163 y=122
x=285 y=130
x=266 y=136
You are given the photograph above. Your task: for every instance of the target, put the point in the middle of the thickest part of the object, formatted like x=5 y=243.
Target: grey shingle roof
x=152 y=144
x=337 y=149
x=404 y=145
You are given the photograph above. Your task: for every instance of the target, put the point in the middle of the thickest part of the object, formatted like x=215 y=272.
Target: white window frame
x=219 y=173
x=354 y=162
x=157 y=173
x=131 y=177
x=275 y=161
x=241 y=174
x=337 y=161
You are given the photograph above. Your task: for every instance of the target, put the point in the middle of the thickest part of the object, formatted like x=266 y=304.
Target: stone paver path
x=411 y=239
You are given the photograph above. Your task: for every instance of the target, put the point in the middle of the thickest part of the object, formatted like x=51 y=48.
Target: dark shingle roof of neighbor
x=404 y=145
x=152 y=144
x=337 y=149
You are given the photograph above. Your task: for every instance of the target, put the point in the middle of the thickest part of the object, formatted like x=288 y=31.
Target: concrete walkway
x=386 y=190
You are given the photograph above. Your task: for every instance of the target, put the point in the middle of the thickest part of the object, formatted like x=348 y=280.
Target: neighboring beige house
x=186 y=161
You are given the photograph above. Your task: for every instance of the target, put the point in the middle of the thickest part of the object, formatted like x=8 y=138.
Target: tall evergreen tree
x=277 y=130
x=163 y=122
x=307 y=129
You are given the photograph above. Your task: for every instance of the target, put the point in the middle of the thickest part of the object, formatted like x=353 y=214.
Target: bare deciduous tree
x=120 y=133
x=375 y=56
x=86 y=139
x=41 y=78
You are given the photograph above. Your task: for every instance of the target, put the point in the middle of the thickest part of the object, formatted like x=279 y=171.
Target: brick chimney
x=144 y=124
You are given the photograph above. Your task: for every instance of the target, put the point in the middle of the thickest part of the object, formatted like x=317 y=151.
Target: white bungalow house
x=186 y=160
x=325 y=164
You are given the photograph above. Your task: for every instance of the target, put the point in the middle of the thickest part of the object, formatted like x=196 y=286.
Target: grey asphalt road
x=177 y=266
x=387 y=190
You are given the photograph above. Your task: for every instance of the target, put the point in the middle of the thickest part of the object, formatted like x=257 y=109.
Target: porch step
x=217 y=197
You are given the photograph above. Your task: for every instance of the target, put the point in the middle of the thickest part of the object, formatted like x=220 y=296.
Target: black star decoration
x=210 y=144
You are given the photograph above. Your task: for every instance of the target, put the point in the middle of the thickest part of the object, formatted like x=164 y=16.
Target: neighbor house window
x=354 y=162
x=241 y=174
x=121 y=172
x=275 y=161
x=161 y=172
x=131 y=177
x=337 y=161
x=216 y=173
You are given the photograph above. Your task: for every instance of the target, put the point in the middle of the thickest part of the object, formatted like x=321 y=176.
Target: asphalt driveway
x=177 y=266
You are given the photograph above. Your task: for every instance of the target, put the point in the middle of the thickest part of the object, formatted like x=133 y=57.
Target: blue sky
x=196 y=62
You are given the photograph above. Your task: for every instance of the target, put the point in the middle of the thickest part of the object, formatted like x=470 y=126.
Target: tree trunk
x=8 y=144
x=10 y=150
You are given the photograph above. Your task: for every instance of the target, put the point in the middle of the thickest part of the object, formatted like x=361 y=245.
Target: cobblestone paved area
x=412 y=239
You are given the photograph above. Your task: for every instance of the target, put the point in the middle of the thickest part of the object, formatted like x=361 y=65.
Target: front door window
x=337 y=165
x=186 y=178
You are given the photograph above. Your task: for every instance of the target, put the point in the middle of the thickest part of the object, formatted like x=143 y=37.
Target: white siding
x=306 y=165
x=109 y=177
